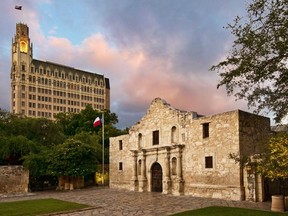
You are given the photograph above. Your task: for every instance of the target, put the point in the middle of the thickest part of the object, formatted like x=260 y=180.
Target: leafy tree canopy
x=39 y=130
x=256 y=68
x=274 y=162
x=13 y=148
x=72 y=158
x=37 y=163
x=73 y=123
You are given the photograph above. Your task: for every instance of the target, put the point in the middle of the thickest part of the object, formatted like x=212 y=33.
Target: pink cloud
x=136 y=78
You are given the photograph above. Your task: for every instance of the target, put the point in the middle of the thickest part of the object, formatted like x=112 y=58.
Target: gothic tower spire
x=21 y=60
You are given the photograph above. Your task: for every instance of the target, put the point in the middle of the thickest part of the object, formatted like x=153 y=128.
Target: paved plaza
x=110 y=202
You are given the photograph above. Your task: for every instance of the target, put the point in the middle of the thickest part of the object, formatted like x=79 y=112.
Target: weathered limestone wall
x=254 y=130
x=182 y=152
x=223 y=179
x=13 y=179
x=120 y=179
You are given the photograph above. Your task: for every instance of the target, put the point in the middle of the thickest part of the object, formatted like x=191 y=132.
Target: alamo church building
x=43 y=89
x=183 y=153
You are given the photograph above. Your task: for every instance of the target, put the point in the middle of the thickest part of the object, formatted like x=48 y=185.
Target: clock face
x=23 y=46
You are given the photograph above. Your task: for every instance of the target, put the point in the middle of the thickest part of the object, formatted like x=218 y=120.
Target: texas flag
x=97 y=122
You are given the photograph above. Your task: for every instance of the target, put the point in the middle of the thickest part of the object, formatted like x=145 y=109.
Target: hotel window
x=209 y=162
x=120 y=166
x=120 y=145
x=156 y=137
x=205 y=128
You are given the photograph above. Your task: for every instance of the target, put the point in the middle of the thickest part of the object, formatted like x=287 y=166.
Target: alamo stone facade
x=183 y=153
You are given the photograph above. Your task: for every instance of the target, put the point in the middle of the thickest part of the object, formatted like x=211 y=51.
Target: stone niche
x=13 y=179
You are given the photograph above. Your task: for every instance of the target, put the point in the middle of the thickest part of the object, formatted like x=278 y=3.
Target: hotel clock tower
x=42 y=89
x=21 y=61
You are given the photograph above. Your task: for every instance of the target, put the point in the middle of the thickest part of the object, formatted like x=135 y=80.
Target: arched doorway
x=156 y=182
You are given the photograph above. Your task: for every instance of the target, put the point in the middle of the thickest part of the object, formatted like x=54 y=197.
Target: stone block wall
x=13 y=179
x=222 y=180
x=120 y=179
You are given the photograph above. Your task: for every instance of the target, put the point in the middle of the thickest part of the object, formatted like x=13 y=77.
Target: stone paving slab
x=112 y=202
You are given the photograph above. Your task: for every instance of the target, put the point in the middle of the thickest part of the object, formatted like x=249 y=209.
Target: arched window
x=139 y=140
x=174 y=165
x=173 y=134
x=139 y=167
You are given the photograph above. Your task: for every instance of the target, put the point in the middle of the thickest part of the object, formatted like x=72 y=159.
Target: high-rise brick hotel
x=43 y=89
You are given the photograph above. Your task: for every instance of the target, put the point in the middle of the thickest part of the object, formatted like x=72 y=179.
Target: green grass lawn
x=228 y=211
x=37 y=207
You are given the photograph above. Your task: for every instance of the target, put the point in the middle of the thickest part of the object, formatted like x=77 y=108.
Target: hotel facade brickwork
x=43 y=89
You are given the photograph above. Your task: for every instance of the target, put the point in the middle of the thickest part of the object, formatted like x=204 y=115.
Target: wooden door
x=156 y=171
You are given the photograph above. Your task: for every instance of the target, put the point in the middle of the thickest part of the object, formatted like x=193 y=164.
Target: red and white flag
x=97 y=122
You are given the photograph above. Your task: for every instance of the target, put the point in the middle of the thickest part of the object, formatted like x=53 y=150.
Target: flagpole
x=103 y=148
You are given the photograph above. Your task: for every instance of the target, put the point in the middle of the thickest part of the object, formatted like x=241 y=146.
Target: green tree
x=256 y=67
x=91 y=139
x=274 y=161
x=39 y=130
x=72 y=158
x=74 y=124
x=37 y=163
x=14 y=148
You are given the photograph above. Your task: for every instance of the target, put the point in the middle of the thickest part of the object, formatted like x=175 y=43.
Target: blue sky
x=147 y=48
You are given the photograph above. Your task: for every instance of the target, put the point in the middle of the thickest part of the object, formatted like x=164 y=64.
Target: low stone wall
x=70 y=183
x=13 y=179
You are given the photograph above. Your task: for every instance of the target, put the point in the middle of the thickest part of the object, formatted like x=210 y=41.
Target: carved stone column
x=134 y=180
x=143 y=179
x=167 y=177
x=179 y=178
